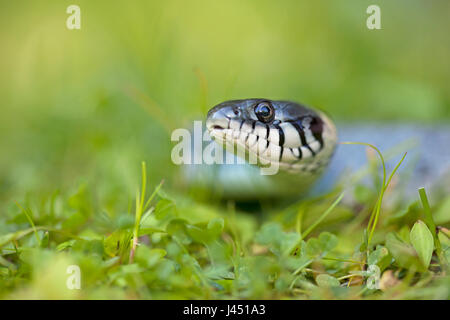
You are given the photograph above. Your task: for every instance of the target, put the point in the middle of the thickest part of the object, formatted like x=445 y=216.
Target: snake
x=298 y=140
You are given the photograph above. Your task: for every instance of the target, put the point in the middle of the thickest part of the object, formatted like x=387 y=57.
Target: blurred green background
x=85 y=107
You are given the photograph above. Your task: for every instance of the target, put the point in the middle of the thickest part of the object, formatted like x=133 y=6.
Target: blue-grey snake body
x=298 y=140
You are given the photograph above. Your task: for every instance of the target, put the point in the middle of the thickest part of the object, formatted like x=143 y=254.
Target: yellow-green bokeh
x=81 y=103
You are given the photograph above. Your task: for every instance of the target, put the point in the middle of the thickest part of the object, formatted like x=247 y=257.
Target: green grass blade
x=432 y=226
x=323 y=216
x=377 y=215
x=374 y=216
x=31 y=223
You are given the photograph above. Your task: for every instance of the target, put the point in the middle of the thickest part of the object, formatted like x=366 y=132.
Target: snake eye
x=264 y=112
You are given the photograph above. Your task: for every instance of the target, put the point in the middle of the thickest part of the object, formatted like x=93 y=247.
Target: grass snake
x=296 y=139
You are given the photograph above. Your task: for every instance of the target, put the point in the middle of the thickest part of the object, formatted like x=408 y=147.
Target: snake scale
x=298 y=140
x=302 y=141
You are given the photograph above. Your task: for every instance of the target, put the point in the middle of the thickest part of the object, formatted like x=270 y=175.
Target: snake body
x=291 y=128
x=297 y=139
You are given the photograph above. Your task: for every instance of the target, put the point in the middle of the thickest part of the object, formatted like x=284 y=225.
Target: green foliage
x=279 y=242
x=220 y=254
x=422 y=241
x=326 y=281
x=81 y=109
x=380 y=257
x=404 y=254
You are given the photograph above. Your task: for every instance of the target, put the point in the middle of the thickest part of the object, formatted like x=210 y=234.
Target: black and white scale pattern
x=289 y=141
x=296 y=144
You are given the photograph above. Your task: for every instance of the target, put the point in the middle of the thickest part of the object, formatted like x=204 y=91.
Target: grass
x=432 y=226
x=82 y=109
x=376 y=210
x=180 y=248
x=323 y=216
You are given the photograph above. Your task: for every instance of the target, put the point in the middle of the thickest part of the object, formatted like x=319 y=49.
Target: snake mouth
x=228 y=134
x=299 y=139
x=279 y=145
x=216 y=124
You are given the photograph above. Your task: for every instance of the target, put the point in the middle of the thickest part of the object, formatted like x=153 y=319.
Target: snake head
x=291 y=135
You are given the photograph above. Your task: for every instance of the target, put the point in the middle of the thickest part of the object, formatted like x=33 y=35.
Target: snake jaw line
x=297 y=139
